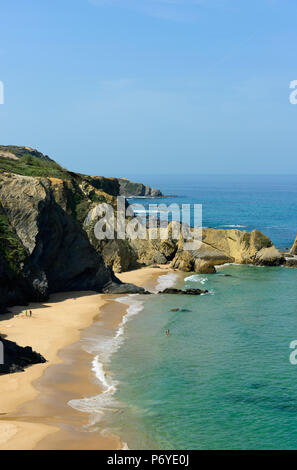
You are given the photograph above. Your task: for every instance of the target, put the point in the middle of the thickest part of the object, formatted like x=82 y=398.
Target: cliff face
x=43 y=247
x=56 y=252
x=128 y=188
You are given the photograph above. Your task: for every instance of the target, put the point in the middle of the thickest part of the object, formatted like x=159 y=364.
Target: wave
x=104 y=347
x=220 y=266
x=166 y=280
x=196 y=278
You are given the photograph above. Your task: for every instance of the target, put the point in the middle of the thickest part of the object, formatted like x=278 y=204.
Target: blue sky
x=116 y=87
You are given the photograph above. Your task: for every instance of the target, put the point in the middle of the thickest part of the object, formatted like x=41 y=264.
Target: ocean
x=222 y=379
x=266 y=203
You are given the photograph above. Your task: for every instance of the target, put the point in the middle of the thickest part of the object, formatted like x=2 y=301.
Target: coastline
x=55 y=330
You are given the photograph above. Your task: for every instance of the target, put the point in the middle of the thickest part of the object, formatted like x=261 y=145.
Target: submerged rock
x=171 y=290
x=291 y=263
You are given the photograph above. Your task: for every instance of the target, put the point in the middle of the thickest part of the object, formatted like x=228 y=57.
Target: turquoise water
x=222 y=379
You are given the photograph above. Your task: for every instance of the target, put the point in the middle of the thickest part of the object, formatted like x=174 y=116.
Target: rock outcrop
x=204 y=267
x=59 y=256
x=217 y=247
x=16 y=358
x=291 y=262
x=293 y=250
x=171 y=290
x=129 y=188
x=227 y=246
x=43 y=248
x=268 y=257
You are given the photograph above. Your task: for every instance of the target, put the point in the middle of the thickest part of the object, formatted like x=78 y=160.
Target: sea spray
x=165 y=281
x=196 y=278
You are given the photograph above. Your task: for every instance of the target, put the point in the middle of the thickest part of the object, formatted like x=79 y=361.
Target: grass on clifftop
x=29 y=165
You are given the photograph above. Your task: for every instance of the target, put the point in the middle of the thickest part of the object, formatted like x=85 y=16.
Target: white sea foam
x=104 y=347
x=196 y=278
x=219 y=266
x=165 y=281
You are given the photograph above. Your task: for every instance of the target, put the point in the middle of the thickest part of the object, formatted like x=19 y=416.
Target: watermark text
x=159 y=221
x=293 y=94
x=1 y=92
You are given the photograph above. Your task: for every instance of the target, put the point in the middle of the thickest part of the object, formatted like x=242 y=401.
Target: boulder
x=171 y=290
x=204 y=267
x=291 y=263
x=16 y=357
x=268 y=257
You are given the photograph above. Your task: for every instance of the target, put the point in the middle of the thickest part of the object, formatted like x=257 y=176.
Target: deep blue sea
x=267 y=203
x=222 y=379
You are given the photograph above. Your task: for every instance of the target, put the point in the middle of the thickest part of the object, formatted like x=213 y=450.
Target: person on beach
x=26 y=313
x=30 y=313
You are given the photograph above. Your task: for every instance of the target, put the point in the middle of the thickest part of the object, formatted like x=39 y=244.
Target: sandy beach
x=33 y=409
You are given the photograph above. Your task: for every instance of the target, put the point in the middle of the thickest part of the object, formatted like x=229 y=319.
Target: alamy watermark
x=1 y=353
x=293 y=355
x=1 y=92
x=159 y=221
x=293 y=94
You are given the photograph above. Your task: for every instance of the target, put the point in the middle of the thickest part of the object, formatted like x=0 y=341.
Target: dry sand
x=34 y=413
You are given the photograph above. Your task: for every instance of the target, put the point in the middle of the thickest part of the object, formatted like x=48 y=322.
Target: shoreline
x=55 y=330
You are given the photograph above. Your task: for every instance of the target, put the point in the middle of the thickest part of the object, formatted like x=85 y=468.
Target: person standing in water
x=167 y=332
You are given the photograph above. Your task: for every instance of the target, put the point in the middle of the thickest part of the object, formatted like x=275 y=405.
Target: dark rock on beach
x=124 y=288
x=16 y=358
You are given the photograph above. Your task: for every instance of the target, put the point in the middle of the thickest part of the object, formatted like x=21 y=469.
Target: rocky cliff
x=128 y=188
x=217 y=247
x=43 y=247
x=46 y=246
